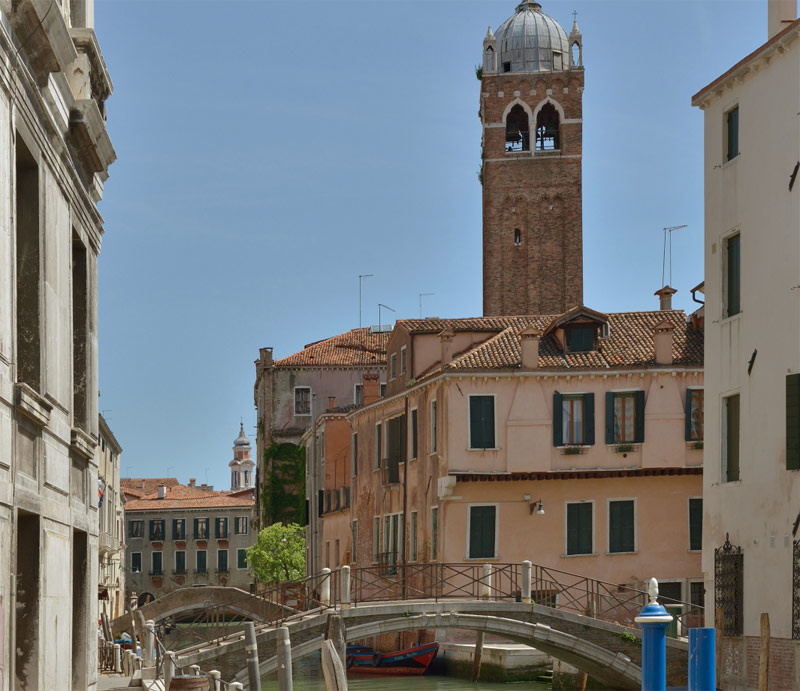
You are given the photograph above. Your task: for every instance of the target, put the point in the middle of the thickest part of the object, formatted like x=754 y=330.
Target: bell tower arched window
x=488 y=60
x=547 y=129
x=518 y=130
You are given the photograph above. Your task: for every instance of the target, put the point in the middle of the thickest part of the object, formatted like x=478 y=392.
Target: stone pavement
x=119 y=682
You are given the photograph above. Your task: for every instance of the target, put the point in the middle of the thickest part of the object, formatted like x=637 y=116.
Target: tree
x=279 y=554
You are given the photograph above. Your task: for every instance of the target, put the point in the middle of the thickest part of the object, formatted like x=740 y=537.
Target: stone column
x=526 y=581
x=345 y=586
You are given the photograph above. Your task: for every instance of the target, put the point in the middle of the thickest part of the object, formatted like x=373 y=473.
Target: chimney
x=331 y=402
x=162 y=491
x=370 y=388
x=192 y=482
x=665 y=298
x=780 y=13
x=529 y=347
x=142 y=484
x=662 y=337
x=446 y=339
x=265 y=359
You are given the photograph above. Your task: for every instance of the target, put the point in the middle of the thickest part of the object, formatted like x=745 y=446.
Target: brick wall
x=538 y=194
x=739 y=663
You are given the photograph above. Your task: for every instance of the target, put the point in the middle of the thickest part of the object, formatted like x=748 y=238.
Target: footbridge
x=582 y=621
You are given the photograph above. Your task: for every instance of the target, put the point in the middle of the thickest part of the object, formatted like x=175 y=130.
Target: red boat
x=362 y=659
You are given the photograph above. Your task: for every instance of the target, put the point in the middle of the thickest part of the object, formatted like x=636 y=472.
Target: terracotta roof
x=184 y=497
x=352 y=348
x=629 y=343
x=142 y=486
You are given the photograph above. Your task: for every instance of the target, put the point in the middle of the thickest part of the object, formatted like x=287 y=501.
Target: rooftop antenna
x=361 y=277
x=668 y=231
x=168 y=469
x=422 y=295
x=380 y=323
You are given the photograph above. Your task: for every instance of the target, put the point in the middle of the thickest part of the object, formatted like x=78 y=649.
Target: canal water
x=307 y=676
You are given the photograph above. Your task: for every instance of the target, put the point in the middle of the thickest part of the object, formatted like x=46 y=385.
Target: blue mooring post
x=654 y=619
x=702 y=660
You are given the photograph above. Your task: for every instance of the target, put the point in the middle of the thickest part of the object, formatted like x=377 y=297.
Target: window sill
x=696 y=445
x=488 y=448
x=611 y=554
x=574 y=450
x=624 y=447
x=583 y=554
x=695 y=551
x=731 y=318
x=730 y=161
x=481 y=558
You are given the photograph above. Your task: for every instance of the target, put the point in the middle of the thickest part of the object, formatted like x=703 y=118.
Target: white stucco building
x=54 y=158
x=751 y=481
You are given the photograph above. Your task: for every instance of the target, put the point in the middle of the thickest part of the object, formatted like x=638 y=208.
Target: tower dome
x=531 y=41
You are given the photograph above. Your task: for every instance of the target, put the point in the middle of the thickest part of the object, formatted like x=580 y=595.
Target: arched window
x=547 y=132
x=517 y=237
x=518 y=130
x=488 y=60
x=576 y=54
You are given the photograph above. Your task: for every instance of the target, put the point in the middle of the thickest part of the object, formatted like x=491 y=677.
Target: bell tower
x=531 y=112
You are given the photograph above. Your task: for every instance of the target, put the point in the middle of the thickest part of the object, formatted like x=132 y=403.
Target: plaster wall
x=749 y=195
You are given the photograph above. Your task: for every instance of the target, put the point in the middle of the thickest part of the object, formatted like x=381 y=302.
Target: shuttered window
x=200 y=528
x=414 y=447
x=202 y=566
x=696 y=524
x=434 y=533
x=730 y=439
x=241 y=559
x=625 y=417
x=579 y=528
x=793 y=422
x=482 y=525
x=732 y=126
x=620 y=526
x=178 y=528
x=180 y=561
x=481 y=422
x=733 y=275
x=573 y=419
x=222 y=560
x=694 y=415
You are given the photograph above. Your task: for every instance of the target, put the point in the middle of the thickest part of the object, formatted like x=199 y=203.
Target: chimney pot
x=529 y=348
x=162 y=491
x=370 y=388
x=662 y=342
x=780 y=13
x=665 y=298
x=446 y=339
x=192 y=482
x=331 y=402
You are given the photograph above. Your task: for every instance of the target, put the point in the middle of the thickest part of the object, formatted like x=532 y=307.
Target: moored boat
x=362 y=659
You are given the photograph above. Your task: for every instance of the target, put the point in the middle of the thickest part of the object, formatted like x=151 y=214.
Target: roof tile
x=354 y=347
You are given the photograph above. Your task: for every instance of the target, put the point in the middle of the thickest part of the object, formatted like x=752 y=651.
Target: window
x=221 y=527
x=240 y=526
x=378 y=447
x=732 y=275
x=547 y=129
x=241 y=559
x=392 y=366
x=579 y=528
x=201 y=563
x=730 y=438
x=222 y=560
x=328 y=554
x=482 y=532
x=695 y=524
x=376 y=539
x=354 y=551
x=517 y=237
x=433 y=426
x=201 y=529
x=135 y=528
x=302 y=400
x=336 y=555
x=694 y=414
x=517 y=130
x=481 y=422
x=434 y=533
x=178 y=528
x=412 y=537
x=136 y=562
x=580 y=339
x=573 y=419
x=358 y=394
x=414 y=445
x=383 y=389
x=156 y=564
x=157 y=529
x=732 y=133
x=506 y=67
x=621 y=526
x=625 y=417
x=180 y=561
x=80 y=332
x=354 y=454
x=793 y=422
x=403 y=360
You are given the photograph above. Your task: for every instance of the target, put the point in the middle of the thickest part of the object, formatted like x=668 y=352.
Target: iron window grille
x=729 y=586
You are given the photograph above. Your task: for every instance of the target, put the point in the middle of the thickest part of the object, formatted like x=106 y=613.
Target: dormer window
x=581 y=339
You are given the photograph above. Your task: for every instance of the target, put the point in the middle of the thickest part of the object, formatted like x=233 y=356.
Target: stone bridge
x=606 y=651
x=223 y=599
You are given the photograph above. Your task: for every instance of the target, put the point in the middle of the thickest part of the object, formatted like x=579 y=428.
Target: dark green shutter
x=793 y=422
x=195 y=528
x=733 y=260
x=688 y=423
x=609 y=417
x=482 y=532
x=733 y=133
x=579 y=528
x=180 y=561
x=696 y=524
x=639 y=438
x=241 y=559
x=414 y=449
x=558 y=420
x=620 y=529
x=481 y=422
x=588 y=418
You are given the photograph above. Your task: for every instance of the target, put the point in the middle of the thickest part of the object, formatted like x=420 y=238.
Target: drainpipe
x=405 y=498
x=314 y=489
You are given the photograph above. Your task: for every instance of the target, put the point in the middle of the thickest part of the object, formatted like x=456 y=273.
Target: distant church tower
x=531 y=112
x=241 y=466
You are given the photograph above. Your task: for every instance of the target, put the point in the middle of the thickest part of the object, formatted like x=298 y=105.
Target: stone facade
x=532 y=208
x=54 y=159
x=112 y=521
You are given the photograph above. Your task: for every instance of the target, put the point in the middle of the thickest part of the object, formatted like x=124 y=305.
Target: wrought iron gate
x=729 y=586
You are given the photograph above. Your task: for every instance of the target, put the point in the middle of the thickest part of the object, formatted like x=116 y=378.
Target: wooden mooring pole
x=251 y=646
x=763 y=662
x=284 y=654
x=476 y=656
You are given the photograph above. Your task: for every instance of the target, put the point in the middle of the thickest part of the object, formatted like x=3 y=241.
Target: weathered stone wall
x=740 y=658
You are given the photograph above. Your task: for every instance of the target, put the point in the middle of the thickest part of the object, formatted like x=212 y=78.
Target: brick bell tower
x=531 y=112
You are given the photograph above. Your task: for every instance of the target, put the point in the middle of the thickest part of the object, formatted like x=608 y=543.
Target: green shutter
x=733 y=246
x=609 y=417
x=696 y=524
x=558 y=420
x=588 y=417
x=481 y=422
x=732 y=419
x=688 y=420
x=639 y=438
x=195 y=528
x=482 y=532
x=241 y=559
x=620 y=529
x=579 y=528
x=793 y=422
x=733 y=133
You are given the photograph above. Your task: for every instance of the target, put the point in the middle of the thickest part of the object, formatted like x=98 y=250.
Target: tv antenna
x=380 y=323
x=668 y=231
x=423 y=295
x=361 y=277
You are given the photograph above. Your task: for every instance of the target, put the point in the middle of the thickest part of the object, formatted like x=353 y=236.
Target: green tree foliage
x=279 y=554
x=283 y=493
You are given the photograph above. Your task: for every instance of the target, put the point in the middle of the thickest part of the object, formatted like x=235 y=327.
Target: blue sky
x=270 y=152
